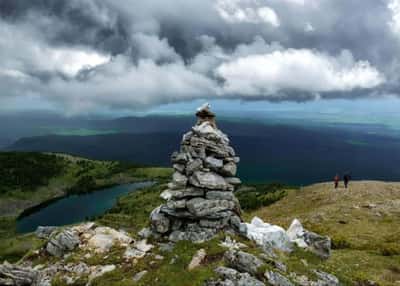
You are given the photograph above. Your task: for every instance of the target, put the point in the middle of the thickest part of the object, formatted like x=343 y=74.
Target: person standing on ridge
x=346 y=179
x=336 y=179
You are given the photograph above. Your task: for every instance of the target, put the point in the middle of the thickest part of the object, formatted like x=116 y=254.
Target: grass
x=362 y=221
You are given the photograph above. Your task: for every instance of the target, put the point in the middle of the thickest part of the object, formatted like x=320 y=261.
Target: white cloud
x=298 y=70
x=246 y=11
x=394 y=23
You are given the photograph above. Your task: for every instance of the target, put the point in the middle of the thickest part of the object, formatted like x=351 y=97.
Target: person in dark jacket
x=346 y=179
x=336 y=180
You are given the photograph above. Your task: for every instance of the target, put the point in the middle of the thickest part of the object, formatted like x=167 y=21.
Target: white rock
x=197 y=259
x=267 y=235
x=106 y=237
x=142 y=245
x=296 y=233
x=166 y=195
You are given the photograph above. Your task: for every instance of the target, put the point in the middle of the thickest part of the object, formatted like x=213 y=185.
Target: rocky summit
x=199 y=199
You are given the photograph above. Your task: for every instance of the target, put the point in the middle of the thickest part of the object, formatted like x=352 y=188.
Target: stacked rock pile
x=200 y=199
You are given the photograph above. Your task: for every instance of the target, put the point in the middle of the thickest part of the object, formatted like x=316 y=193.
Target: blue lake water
x=76 y=208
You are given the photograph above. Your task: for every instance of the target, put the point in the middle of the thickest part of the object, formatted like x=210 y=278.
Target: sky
x=120 y=56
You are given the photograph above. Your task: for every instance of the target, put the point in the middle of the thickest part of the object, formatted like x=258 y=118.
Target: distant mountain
x=269 y=153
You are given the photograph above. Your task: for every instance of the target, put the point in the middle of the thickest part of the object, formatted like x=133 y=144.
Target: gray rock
x=218 y=223
x=326 y=279
x=229 y=169
x=159 y=221
x=179 y=167
x=244 y=262
x=14 y=275
x=45 y=231
x=277 y=279
x=179 y=158
x=233 y=277
x=216 y=195
x=181 y=204
x=62 y=242
x=193 y=165
x=179 y=180
x=213 y=163
x=319 y=245
x=145 y=232
x=202 y=207
x=233 y=181
x=208 y=180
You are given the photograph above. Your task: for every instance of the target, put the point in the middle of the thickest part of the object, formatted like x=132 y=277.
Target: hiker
x=336 y=179
x=346 y=179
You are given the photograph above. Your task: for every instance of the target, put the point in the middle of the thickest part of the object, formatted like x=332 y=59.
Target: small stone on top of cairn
x=200 y=199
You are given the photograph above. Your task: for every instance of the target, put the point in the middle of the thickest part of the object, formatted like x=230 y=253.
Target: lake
x=76 y=208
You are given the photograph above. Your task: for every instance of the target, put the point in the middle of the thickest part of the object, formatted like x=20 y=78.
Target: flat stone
x=179 y=179
x=208 y=180
x=202 y=207
x=233 y=181
x=193 y=165
x=213 y=163
x=181 y=204
x=244 y=262
x=216 y=195
x=179 y=158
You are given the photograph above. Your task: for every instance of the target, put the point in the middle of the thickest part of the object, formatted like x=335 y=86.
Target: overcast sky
x=87 y=56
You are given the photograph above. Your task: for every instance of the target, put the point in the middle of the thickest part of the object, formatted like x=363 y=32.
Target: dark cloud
x=82 y=54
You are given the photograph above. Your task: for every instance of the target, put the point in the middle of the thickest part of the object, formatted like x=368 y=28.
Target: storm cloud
x=86 y=55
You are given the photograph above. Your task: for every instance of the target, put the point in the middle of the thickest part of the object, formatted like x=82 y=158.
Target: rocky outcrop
x=62 y=242
x=14 y=275
x=200 y=199
x=318 y=244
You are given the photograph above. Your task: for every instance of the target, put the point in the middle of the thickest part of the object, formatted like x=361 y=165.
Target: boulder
x=244 y=262
x=62 y=242
x=140 y=275
x=319 y=245
x=266 y=235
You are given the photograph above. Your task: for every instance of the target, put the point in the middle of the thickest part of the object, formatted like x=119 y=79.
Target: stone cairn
x=200 y=199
